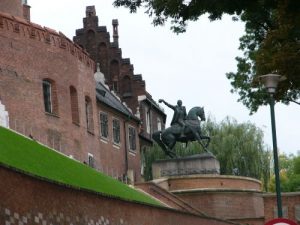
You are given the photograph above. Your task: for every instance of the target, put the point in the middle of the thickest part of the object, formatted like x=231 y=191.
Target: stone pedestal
x=205 y=163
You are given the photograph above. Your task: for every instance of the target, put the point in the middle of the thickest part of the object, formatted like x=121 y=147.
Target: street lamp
x=270 y=81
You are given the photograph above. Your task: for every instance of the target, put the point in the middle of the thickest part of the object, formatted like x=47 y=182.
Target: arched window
x=50 y=96
x=90 y=37
x=89 y=114
x=74 y=105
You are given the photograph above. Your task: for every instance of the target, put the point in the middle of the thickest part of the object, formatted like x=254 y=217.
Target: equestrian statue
x=184 y=128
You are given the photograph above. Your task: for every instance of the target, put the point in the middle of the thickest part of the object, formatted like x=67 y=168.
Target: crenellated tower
x=17 y=8
x=12 y=7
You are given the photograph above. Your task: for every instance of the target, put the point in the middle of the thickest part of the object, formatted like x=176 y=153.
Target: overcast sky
x=190 y=66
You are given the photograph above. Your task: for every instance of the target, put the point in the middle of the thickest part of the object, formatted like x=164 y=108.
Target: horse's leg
x=157 y=138
x=206 y=138
x=169 y=141
x=172 y=143
x=199 y=138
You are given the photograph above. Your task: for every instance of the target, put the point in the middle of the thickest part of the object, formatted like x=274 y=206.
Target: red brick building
x=119 y=74
x=48 y=88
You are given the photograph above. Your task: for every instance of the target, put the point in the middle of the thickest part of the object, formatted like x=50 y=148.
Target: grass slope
x=29 y=156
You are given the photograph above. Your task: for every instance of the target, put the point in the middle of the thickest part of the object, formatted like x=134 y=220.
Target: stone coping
x=287 y=194
x=207 y=176
x=215 y=190
x=186 y=158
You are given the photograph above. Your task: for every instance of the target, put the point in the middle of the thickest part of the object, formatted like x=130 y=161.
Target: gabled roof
x=104 y=95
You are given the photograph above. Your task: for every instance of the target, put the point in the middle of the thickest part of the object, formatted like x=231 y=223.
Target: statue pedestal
x=204 y=163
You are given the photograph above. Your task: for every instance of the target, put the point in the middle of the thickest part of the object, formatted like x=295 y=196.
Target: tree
x=237 y=146
x=240 y=146
x=289 y=174
x=271 y=43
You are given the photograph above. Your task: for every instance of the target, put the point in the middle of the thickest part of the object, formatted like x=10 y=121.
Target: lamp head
x=270 y=81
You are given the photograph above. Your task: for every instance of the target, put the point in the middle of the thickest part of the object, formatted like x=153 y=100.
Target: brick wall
x=236 y=198
x=56 y=204
x=215 y=182
x=226 y=204
x=290 y=206
x=117 y=155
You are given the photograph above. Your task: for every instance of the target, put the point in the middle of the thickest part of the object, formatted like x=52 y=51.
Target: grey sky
x=202 y=56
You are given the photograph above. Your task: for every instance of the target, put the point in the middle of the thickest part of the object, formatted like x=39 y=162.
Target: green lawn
x=29 y=156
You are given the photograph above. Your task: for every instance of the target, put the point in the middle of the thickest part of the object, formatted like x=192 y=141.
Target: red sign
x=281 y=221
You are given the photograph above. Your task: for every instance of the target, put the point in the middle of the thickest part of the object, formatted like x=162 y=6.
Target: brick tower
x=12 y=7
x=119 y=72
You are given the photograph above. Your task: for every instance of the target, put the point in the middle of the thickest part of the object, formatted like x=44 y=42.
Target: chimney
x=26 y=10
x=91 y=19
x=115 y=24
x=90 y=11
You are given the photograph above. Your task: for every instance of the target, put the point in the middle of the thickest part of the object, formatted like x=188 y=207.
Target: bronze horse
x=167 y=138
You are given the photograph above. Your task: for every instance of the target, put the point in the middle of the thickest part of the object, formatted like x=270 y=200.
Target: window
x=74 y=105
x=50 y=96
x=114 y=75
x=115 y=86
x=158 y=124
x=89 y=114
x=91 y=161
x=47 y=96
x=116 y=131
x=132 y=138
x=148 y=127
x=103 y=125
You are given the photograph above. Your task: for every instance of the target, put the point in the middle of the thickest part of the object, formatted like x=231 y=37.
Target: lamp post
x=270 y=81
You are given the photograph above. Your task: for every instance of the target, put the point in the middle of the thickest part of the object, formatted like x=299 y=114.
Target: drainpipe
x=126 y=145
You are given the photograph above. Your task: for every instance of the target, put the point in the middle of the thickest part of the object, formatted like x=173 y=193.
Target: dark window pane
x=47 y=96
x=132 y=138
x=116 y=131
x=104 y=125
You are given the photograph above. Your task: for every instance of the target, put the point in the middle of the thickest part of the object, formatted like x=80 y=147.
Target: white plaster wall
x=4 y=118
